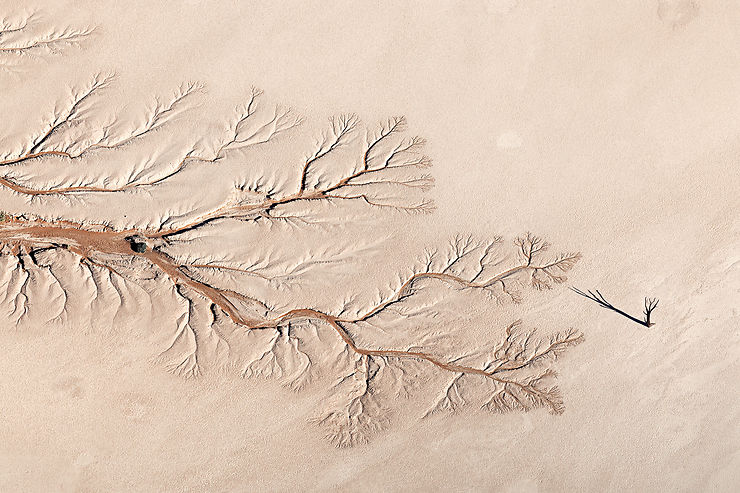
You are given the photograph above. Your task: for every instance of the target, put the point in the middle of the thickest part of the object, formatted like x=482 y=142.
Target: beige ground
x=608 y=128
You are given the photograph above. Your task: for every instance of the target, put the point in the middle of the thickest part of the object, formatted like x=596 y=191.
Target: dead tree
x=650 y=305
x=236 y=313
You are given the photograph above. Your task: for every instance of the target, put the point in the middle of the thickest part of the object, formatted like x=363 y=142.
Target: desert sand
x=338 y=246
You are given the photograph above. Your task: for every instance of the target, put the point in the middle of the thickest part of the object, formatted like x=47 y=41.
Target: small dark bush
x=138 y=247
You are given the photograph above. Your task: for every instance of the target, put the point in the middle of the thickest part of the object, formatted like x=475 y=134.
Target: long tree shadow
x=650 y=305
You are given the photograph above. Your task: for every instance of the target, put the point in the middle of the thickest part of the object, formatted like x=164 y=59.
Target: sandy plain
x=310 y=312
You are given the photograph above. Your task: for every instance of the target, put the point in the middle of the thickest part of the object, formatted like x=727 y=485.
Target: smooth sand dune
x=225 y=267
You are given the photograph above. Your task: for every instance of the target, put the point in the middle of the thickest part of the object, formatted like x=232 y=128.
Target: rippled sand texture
x=215 y=277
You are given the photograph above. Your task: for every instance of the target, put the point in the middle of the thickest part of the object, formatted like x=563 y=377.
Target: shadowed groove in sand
x=27 y=34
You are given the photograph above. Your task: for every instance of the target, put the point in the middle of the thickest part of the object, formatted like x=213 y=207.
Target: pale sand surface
x=608 y=128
